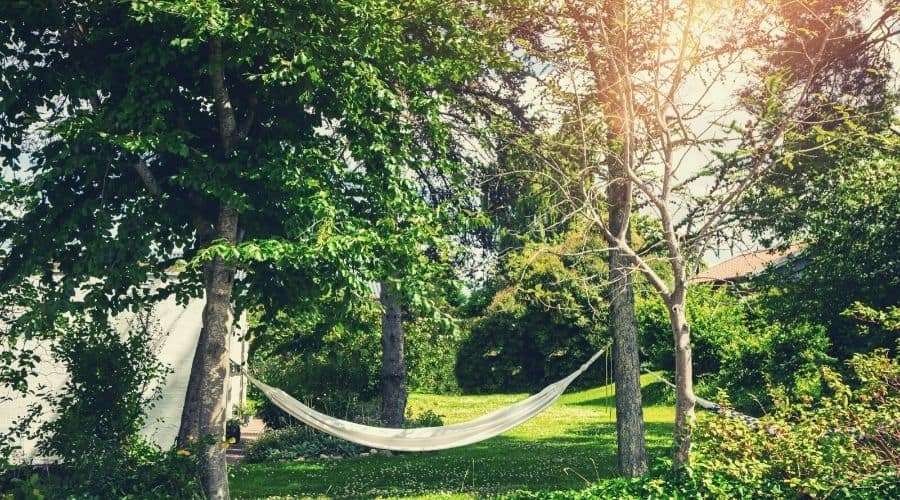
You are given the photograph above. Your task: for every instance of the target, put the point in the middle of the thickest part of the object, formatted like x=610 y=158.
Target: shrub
x=427 y=418
x=113 y=378
x=718 y=326
x=843 y=444
x=537 y=329
x=430 y=353
x=751 y=358
x=290 y=443
x=144 y=471
x=774 y=360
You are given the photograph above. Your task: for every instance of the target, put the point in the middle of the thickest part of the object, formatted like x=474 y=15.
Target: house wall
x=179 y=327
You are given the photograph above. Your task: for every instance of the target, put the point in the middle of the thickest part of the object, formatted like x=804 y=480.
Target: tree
x=393 y=368
x=850 y=243
x=273 y=138
x=838 y=199
x=641 y=84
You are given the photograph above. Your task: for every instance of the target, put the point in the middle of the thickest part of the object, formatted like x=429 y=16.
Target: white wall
x=180 y=329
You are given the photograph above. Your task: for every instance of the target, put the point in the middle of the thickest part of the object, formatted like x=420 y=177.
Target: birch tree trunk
x=684 y=383
x=393 y=369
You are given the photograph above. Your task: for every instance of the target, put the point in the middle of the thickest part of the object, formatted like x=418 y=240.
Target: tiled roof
x=744 y=265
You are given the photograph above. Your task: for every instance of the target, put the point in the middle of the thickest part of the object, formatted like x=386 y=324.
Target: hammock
x=425 y=438
x=711 y=406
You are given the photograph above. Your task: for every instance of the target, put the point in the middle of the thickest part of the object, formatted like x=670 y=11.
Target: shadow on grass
x=652 y=394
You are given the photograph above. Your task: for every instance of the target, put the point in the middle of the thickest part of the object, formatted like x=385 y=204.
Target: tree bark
x=393 y=369
x=204 y=414
x=632 y=448
x=684 y=384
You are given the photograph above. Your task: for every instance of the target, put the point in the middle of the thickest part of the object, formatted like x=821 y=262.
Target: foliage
x=290 y=443
x=772 y=360
x=843 y=204
x=20 y=349
x=143 y=472
x=113 y=378
x=718 y=324
x=545 y=318
x=844 y=444
x=323 y=100
x=737 y=348
x=427 y=418
x=336 y=365
x=888 y=318
x=430 y=352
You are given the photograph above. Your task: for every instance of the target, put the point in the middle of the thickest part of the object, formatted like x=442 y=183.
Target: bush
x=430 y=353
x=718 y=320
x=295 y=442
x=113 y=380
x=144 y=471
x=536 y=330
x=843 y=444
x=427 y=418
x=751 y=358
x=774 y=360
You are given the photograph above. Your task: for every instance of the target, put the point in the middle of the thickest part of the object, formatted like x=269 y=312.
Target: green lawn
x=563 y=448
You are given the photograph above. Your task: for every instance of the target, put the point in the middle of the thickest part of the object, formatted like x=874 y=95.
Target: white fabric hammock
x=425 y=438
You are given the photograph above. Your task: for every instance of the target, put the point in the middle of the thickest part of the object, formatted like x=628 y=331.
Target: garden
x=449 y=249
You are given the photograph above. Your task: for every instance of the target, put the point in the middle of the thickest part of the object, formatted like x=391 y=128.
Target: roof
x=745 y=264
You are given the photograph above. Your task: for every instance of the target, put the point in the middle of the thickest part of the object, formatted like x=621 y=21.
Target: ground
x=567 y=446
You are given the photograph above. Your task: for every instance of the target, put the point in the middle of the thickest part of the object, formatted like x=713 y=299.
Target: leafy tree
x=835 y=190
x=540 y=319
x=228 y=133
x=851 y=242
x=638 y=80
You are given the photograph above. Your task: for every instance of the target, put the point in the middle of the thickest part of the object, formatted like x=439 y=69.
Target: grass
x=565 y=447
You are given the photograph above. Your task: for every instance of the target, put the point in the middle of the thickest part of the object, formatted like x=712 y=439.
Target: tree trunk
x=205 y=410
x=393 y=370
x=632 y=449
x=684 y=384
x=204 y=413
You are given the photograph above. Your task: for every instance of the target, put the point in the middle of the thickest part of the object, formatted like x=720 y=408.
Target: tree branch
x=147 y=177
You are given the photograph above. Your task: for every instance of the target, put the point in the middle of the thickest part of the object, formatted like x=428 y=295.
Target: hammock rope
x=710 y=405
x=426 y=438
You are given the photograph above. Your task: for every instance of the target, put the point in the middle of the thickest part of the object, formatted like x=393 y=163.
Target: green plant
x=290 y=443
x=842 y=444
x=427 y=418
x=543 y=319
x=113 y=378
x=143 y=471
x=718 y=321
